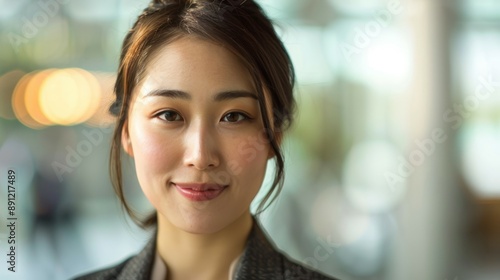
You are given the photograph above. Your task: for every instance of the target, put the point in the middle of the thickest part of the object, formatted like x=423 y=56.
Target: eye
x=169 y=116
x=235 y=117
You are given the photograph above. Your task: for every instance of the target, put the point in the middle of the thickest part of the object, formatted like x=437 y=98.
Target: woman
x=203 y=96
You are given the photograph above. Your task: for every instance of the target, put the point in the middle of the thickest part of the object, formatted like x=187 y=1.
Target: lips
x=199 y=192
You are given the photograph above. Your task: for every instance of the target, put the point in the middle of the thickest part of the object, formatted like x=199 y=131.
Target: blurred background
x=393 y=165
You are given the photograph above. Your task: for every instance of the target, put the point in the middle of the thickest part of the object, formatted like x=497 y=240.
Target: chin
x=200 y=224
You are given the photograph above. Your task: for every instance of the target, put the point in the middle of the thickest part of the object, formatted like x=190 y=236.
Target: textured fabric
x=260 y=260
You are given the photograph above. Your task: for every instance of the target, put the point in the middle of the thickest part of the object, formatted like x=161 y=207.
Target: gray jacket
x=260 y=260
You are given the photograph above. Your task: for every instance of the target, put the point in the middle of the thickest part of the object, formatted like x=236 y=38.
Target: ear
x=126 y=142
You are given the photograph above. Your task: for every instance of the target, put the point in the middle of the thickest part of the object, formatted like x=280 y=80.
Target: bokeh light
x=19 y=105
x=335 y=219
x=69 y=96
x=8 y=82
x=90 y=93
x=372 y=192
x=481 y=158
x=101 y=116
x=32 y=97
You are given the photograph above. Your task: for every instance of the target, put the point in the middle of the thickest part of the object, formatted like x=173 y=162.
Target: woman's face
x=195 y=132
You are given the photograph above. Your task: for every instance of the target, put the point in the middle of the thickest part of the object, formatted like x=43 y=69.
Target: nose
x=201 y=148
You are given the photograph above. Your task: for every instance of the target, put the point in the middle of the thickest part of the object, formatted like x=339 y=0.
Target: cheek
x=150 y=152
x=248 y=157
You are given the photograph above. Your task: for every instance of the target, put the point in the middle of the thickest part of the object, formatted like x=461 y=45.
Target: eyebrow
x=221 y=96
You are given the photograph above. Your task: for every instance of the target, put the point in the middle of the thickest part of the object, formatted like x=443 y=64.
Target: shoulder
x=137 y=267
x=293 y=270
x=263 y=259
x=106 y=273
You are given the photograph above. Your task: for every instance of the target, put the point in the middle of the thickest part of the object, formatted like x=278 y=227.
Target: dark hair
x=242 y=27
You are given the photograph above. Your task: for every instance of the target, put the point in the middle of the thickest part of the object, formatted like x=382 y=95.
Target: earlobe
x=278 y=137
x=126 y=143
x=271 y=154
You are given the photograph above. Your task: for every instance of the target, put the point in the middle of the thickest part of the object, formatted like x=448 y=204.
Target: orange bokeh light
x=69 y=96
x=32 y=97
x=8 y=82
x=19 y=105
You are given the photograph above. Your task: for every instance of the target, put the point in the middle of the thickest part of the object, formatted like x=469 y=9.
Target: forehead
x=195 y=65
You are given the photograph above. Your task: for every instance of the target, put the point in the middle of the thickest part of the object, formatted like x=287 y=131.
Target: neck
x=201 y=256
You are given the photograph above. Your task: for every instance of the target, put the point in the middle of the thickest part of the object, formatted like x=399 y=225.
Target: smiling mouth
x=199 y=192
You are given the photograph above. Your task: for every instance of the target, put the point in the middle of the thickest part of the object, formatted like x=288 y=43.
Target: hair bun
x=164 y=2
x=157 y=5
x=169 y=2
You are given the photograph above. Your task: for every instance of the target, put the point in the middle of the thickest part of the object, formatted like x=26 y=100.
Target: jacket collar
x=139 y=266
x=259 y=259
